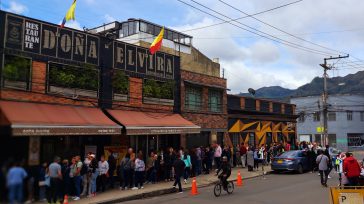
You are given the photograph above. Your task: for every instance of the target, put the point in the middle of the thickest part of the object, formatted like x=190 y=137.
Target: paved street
x=275 y=189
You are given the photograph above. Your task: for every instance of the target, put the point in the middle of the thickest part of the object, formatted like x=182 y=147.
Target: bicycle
x=219 y=186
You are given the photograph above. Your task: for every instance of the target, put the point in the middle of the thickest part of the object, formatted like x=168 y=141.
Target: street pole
x=325 y=95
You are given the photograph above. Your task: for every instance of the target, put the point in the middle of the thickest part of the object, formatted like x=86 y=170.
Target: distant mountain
x=352 y=83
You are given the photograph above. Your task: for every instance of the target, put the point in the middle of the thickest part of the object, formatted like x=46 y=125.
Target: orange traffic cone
x=65 y=200
x=194 y=187
x=239 y=181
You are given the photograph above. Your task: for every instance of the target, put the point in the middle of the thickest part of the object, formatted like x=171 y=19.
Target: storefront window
x=16 y=73
x=356 y=140
x=158 y=91
x=193 y=100
x=251 y=139
x=215 y=100
x=120 y=85
x=73 y=81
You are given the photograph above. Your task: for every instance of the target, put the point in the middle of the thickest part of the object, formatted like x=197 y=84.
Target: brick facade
x=204 y=118
x=38 y=93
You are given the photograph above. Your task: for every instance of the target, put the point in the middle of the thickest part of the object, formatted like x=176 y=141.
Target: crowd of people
x=85 y=178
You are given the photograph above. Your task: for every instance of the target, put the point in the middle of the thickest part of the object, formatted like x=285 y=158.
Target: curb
x=163 y=192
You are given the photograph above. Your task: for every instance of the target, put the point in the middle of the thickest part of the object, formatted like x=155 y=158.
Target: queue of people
x=85 y=178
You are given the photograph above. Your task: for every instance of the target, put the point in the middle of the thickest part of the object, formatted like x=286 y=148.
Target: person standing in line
x=198 y=161
x=55 y=174
x=93 y=174
x=15 y=179
x=217 y=155
x=85 y=175
x=178 y=167
x=77 y=177
x=187 y=171
x=125 y=167
x=103 y=172
x=43 y=171
x=323 y=161
x=250 y=159
x=139 y=172
x=66 y=180
x=237 y=155
x=112 y=167
x=132 y=165
x=351 y=169
x=327 y=153
x=150 y=169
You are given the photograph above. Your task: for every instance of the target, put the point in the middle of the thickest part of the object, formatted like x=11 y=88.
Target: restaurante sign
x=45 y=39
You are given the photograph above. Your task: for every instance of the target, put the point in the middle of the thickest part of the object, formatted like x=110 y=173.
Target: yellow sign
x=347 y=195
x=350 y=198
x=320 y=129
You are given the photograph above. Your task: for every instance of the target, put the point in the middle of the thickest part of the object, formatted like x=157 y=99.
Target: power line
x=299 y=38
x=278 y=40
x=216 y=24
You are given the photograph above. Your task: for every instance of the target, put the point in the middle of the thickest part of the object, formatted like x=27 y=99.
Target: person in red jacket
x=351 y=169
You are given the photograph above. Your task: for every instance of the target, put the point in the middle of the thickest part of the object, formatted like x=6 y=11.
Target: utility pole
x=325 y=95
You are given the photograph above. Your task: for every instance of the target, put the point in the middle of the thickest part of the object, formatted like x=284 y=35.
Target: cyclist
x=226 y=172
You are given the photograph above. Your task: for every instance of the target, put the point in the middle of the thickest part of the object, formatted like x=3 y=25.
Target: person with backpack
x=178 y=167
x=85 y=175
x=93 y=174
x=125 y=168
x=187 y=171
x=112 y=167
x=323 y=163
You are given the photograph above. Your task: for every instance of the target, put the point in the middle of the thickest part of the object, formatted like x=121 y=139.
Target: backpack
x=84 y=169
x=127 y=164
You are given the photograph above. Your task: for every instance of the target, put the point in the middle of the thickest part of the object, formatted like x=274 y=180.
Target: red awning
x=45 y=119
x=151 y=123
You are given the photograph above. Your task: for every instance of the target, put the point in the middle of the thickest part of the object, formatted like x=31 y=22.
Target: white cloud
x=16 y=7
x=108 y=18
x=256 y=62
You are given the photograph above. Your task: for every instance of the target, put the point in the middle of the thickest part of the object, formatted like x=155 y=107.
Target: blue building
x=345 y=120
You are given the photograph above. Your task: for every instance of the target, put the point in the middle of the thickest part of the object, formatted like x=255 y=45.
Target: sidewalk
x=150 y=190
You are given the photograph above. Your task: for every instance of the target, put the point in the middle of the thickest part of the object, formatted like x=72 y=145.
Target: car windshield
x=289 y=154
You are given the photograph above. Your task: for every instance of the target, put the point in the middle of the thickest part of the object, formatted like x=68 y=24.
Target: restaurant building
x=200 y=96
x=67 y=92
x=260 y=121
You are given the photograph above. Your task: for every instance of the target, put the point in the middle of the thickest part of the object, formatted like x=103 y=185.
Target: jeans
x=92 y=187
x=198 y=167
x=187 y=173
x=85 y=182
x=217 y=162
x=353 y=181
x=15 y=193
x=152 y=175
x=54 y=190
x=42 y=192
x=78 y=181
x=243 y=160
x=139 y=177
x=178 y=182
x=323 y=176
x=127 y=178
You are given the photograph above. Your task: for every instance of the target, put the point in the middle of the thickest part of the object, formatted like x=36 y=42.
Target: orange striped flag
x=157 y=43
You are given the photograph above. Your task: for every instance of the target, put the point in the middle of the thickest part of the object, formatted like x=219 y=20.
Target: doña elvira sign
x=36 y=37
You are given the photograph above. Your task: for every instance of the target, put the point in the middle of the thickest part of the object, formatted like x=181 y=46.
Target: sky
x=249 y=60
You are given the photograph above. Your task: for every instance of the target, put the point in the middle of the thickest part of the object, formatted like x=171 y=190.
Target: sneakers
x=134 y=188
x=77 y=198
x=180 y=192
x=185 y=181
x=173 y=186
x=329 y=177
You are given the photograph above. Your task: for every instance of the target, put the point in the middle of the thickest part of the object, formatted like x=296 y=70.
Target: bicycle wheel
x=217 y=190
x=230 y=187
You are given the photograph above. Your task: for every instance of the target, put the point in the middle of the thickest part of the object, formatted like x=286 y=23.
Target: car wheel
x=300 y=169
